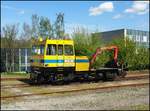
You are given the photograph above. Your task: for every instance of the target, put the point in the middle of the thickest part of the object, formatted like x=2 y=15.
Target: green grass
x=15 y=74
x=11 y=82
x=140 y=107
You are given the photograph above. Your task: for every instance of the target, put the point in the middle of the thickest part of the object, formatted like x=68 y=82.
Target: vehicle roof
x=53 y=41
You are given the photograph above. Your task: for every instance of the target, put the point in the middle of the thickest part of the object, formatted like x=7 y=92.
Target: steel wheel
x=123 y=74
x=110 y=76
x=58 y=79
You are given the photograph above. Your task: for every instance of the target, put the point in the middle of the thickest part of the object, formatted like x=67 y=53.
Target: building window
x=134 y=38
x=147 y=37
x=144 y=38
x=130 y=37
x=137 y=38
x=129 y=32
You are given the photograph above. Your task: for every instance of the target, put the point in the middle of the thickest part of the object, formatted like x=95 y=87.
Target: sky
x=93 y=15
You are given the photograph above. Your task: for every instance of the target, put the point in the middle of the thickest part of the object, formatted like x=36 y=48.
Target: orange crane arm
x=100 y=50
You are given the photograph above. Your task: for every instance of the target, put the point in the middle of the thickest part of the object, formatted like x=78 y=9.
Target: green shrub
x=86 y=44
x=137 y=57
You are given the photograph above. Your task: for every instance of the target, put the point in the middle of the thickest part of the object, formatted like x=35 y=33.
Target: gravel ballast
x=121 y=98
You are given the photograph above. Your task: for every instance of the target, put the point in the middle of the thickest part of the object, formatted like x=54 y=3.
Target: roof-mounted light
x=40 y=39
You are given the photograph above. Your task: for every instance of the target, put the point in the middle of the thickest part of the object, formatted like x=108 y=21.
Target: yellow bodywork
x=80 y=63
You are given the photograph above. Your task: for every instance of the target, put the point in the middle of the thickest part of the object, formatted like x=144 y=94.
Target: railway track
x=134 y=77
x=23 y=85
x=81 y=89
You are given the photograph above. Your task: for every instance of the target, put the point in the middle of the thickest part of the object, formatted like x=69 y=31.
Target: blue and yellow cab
x=55 y=60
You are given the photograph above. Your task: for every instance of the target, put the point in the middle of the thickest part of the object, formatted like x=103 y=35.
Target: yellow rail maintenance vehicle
x=55 y=61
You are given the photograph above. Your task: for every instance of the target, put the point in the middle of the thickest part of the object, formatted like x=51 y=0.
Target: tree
x=41 y=26
x=59 y=26
x=86 y=44
x=142 y=58
x=35 y=26
x=137 y=57
x=27 y=32
x=25 y=38
x=10 y=33
x=45 y=27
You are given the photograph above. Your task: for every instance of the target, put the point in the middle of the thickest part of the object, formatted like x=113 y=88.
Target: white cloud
x=138 y=7
x=118 y=16
x=19 y=11
x=104 y=7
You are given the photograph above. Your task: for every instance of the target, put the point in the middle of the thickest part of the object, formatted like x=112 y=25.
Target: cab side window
x=38 y=50
x=68 y=50
x=42 y=49
x=60 y=49
x=51 y=49
x=33 y=50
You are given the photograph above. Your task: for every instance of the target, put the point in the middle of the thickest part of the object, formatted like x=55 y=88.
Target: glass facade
x=25 y=59
x=21 y=59
x=140 y=37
